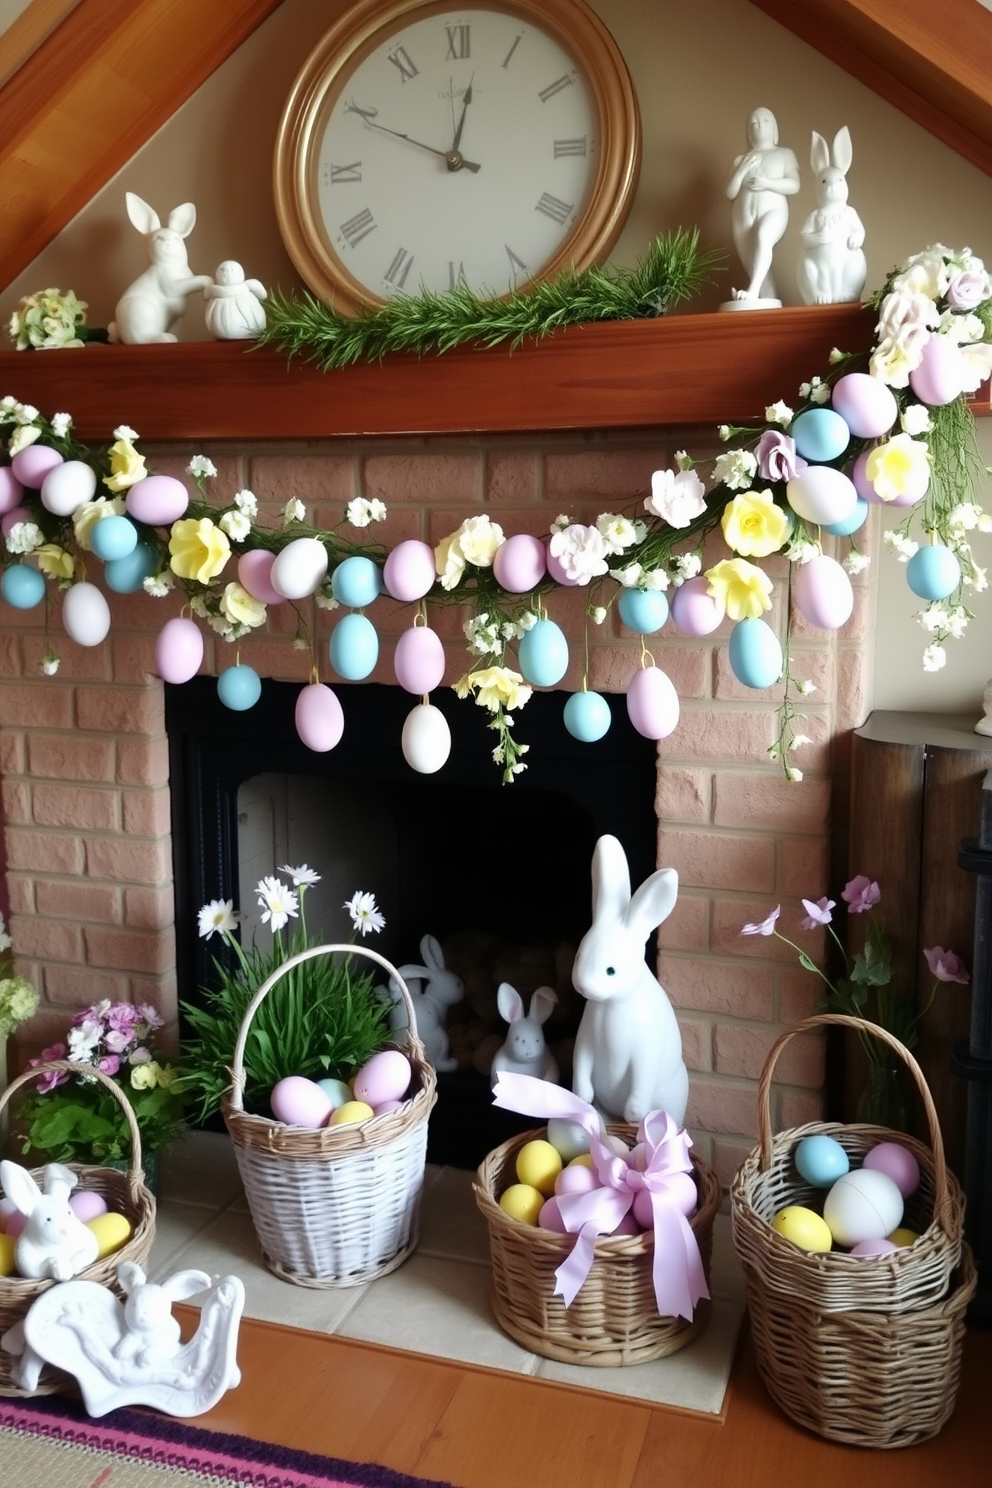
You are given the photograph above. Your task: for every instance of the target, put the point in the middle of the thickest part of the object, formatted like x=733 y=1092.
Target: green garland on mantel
x=674 y=268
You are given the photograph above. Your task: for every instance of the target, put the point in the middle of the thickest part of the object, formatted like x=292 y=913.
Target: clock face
x=476 y=146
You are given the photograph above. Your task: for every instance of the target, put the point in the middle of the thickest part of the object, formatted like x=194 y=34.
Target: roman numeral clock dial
x=425 y=146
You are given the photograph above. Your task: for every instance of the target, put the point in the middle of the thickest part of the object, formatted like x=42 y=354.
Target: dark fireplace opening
x=498 y=874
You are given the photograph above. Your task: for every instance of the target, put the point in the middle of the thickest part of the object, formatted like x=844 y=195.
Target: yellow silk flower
x=753 y=525
x=743 y=589
x=127 y=467
x=900 y=465
x=55 y=562
x=199 y=549
x=494 y=687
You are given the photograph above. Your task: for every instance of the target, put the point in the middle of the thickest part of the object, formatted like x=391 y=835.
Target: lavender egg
x=178 y=650
x=821 y=494
x=86 y=615
x=319 y=717
x=254 y=571
x=418 y=661
x=652 y=703
x=158 y=500
x=823 y=593
x=298 y=1101
x=67 y=487
x=556 y=571
x=426 y=739
x=755 y=653
x=940 y=376
x=694 y=610
x=866 y=404
x=520 y=563
x=31 y=464
x=408 y=573
x=11 y=490
x=85 y=1204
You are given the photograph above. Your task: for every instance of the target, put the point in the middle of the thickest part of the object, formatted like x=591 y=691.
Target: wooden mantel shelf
x=723 y=367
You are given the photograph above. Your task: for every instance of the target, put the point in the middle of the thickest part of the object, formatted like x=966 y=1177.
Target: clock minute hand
x=366 y=116
x=456 y=142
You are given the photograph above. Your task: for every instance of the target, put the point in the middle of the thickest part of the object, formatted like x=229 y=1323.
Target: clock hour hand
x=456 y=142
x=368 y=117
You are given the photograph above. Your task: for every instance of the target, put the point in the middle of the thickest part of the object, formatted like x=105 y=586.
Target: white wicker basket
x=337 y=1206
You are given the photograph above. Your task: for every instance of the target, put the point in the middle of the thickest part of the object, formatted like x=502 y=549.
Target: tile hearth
x=437 y=1302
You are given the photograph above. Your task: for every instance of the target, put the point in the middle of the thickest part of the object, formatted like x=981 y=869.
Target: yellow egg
x=351 y=1114
x=7 y=1243
x=111 y=1231
x=803 y=1227
x=521 y=1201
x=902 y=1236
x=584 y=1160
x=538 y=1163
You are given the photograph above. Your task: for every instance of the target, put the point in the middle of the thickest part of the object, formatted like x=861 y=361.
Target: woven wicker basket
x=124 y=1192
x=614 y=1319
x=863 y=1350
x=336 y=1206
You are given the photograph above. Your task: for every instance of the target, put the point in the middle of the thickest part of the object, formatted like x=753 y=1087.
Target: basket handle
x=90 y=1072
x=238 y=1069
x=943 y=1206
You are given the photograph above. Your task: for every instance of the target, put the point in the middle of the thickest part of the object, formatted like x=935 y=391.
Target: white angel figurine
x=763 y=179
x=234 y=304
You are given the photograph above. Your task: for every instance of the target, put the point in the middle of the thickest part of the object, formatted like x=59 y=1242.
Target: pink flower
x=817 y=914
x=109 y=1064
x=118 y=1039
x=860 y=894
x=51 y=1078
x=766 y=926
x=968 y=289
x=777 y=458
x=946 y=966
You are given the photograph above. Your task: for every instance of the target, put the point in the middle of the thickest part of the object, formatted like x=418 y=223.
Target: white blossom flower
x=361 y=511
x=735 y=469
x=836 y=355
x=293 y=511
x=278 y=902
x=325 y=598
x=905 y=546
x=934 y=658
x=957 y=621
x=597 y=614
x=618 y=532
x=217 y=918
x=581 y=551
x=801 y=740
x=683 y=461
x=25 y=413
x=631 y=577
x=805 y=688
x=800 y=551
x=302 y=875
x=856 y=563
x=236 y=524
x=687 y=566
x=24 y=537
x=49 y=664
x=723 y=432
x=560 y=522
x=915 y=419
x=22 y=436
x=61 y=424
x=124 y=431
x=365 y=914
x=821 y=393
x=677 y=496
x=246 y=501
x=793 y=773
x=779 y=413
x=159 y=585
x=934 y=617
x=200 y=466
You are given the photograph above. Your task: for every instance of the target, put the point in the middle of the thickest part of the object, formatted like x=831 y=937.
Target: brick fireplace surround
x=84 y=759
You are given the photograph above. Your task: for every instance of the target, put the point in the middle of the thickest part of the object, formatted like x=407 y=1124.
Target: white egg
x=85 y=615
x=67 y=487
x=300 y=568
x=426 y=739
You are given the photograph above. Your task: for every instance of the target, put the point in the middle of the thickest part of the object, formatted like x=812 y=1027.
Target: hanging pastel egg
x=22 y=586
x=85 y=615
x=11 y=490
x=254 y=576
x=823 y=593
x=694 y=610
x=520 y=563
x=933 y=572
x=356 y=582
x=866 y=404
x=643 y=610
x=652 y=703
x=821 y=494
x=10 y=519
x=239 y=687
x=820 y=434
x=319 y=717
x=113 y=537
x=32 y=463
x=67 y=487
x=126 y=575
x=542 y=653
x=940 y=377
x=852 y=523
x=158 y=500
x=409 y=573
x=299 y=568
x=755 y=653
x=354 y=647
x=419 y=660
x=426 y=739
x=178 y=650
x=587 y=716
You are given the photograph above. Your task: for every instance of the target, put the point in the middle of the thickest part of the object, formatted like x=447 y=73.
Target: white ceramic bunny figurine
x=524 y=1051
x=628 y=1049
x=151 y=1332
x=433 y=990
x=157 y=298
x=54 y=1243
x=832 y=266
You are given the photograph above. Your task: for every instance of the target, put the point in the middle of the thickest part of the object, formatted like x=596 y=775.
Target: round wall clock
x=425 y=146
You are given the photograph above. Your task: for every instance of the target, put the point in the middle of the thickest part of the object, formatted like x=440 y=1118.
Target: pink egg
x=652 y=703
x=7 y=1209
x=11 y=490
x=897 y=1163
x=683 y=1190
x=254 y=569
x=628 y=1225
x=867 y=405
x=158 y=500
x=11 y=518
x=557 y=572
x=419 y=660
x=577 y=1178
x=15 y=1224
x=384 y=1077
x=300 y=1102
x=873 y=1247
x=409 y=571
x=32 y=464
x=823 y=593
x=520 y=563
x=85 y=1204
x=694 y=611
x=867 y=492
x=940 y=376
x=386 y=1106
x=319 y=717
x=178 y=650
x=550 y=1217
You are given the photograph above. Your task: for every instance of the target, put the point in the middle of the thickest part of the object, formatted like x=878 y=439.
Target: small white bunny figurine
x=54 y=1243
x=157 y=298
x=234 y=309
x=151 y=1332
x=439 y=991
x=628 y=1048
x=524 y=1051
x=832 y=265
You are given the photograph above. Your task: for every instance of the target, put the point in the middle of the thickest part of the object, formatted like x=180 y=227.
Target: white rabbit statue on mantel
x=628 y=1049
x=832 y=265
x=157 y=298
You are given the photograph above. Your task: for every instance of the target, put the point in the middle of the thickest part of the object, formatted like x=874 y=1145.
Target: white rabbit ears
x=820 y=156
x=611 y=897
x=182 y=219
x=511 y=1004
x=22 y=1190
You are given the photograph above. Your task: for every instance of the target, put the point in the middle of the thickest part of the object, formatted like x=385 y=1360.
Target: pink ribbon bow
x=677 y=1270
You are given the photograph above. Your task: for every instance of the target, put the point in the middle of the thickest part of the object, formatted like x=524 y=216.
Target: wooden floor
x=478 y=1429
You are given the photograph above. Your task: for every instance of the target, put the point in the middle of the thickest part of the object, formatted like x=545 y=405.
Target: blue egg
x=933 y=572
x=851 y=523
x=113 y=537
x=543 y=654
x=820 y=434
x=755 y=653
x=587 y=716
x=239 y=688
x=22 y=587
x=356 y=582
x=821 y=1160
x=643 y=610
x=354 y=647
x=125 y=575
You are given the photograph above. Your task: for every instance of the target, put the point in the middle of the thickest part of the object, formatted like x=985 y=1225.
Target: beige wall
x=699 y=67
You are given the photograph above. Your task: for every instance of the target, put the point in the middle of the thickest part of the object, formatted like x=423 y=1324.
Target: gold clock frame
x=324 y=76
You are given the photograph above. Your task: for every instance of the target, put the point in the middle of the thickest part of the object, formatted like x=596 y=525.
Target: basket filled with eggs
x=62 y=1221
x=600 y=1240
x=856 y=1271
x=333 y=1178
